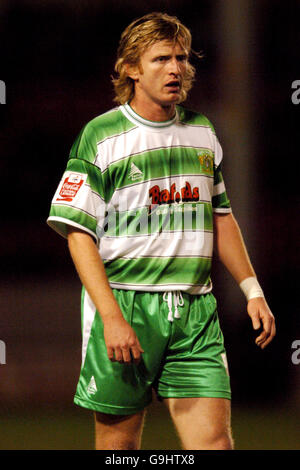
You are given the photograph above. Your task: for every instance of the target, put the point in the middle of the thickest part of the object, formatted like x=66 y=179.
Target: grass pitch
x=53 y=429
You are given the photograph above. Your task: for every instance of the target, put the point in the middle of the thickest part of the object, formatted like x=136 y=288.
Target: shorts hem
x=169 y=394
x=108 y=409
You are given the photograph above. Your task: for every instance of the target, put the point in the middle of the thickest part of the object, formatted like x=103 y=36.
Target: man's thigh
x=202 y=423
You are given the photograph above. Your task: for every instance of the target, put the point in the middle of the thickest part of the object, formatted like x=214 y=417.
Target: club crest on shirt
x=207 y=162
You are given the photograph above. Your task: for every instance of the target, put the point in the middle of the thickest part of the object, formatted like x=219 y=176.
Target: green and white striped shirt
x=146 y=192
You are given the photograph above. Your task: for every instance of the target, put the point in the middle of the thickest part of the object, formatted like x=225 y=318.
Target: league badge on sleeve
x=70 y=186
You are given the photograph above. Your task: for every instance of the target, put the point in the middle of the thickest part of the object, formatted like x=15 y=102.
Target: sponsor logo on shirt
x=165 y=196
x=70 y=186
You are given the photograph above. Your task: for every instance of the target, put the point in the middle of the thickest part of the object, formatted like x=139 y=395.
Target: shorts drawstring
x=177 y=300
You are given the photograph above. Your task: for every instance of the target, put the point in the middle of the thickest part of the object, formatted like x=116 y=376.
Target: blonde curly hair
x=136 y=38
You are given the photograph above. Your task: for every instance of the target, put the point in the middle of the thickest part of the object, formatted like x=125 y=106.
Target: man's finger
x=126 y=355
x=267 y=325
x=110 y=354
x=273 y=331
x=118 y=355
x=136 y=354
x=262 y=337
x=270 y=336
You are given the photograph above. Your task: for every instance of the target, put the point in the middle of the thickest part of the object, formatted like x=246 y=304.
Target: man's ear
x=132 y=71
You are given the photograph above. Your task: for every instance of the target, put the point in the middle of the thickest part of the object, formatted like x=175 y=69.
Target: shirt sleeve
x=79 y=200
x=220 y=201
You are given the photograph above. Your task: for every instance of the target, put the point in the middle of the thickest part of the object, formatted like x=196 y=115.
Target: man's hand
x=262 y=316
x=122 y=344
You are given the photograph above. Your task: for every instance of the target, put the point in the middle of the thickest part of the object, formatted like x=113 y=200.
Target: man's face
x=159 y=76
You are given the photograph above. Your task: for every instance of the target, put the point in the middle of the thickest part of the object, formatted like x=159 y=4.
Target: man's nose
x=174 y=66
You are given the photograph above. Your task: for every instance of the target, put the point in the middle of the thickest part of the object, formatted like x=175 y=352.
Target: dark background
x=57 y=58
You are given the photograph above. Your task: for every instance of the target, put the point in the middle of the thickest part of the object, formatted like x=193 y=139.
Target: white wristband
x=251 y=288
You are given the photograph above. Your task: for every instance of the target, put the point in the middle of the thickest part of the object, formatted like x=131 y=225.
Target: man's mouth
x=173 y=85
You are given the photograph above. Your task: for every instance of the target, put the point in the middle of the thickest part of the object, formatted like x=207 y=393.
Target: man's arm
x=231 y=250
x=121 y=341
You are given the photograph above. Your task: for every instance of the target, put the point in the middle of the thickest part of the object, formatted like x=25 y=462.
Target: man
x=141 y=203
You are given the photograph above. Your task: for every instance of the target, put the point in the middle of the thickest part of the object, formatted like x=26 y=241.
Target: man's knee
x=217 y=438
x=117 y=442
x=207 y=441
x=115 y=432
x=223 y=442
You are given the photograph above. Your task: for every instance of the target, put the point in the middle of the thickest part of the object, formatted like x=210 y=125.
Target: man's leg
x=118 y=432
x=202 y=423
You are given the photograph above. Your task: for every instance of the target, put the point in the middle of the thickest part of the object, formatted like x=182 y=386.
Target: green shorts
x=183 y=357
